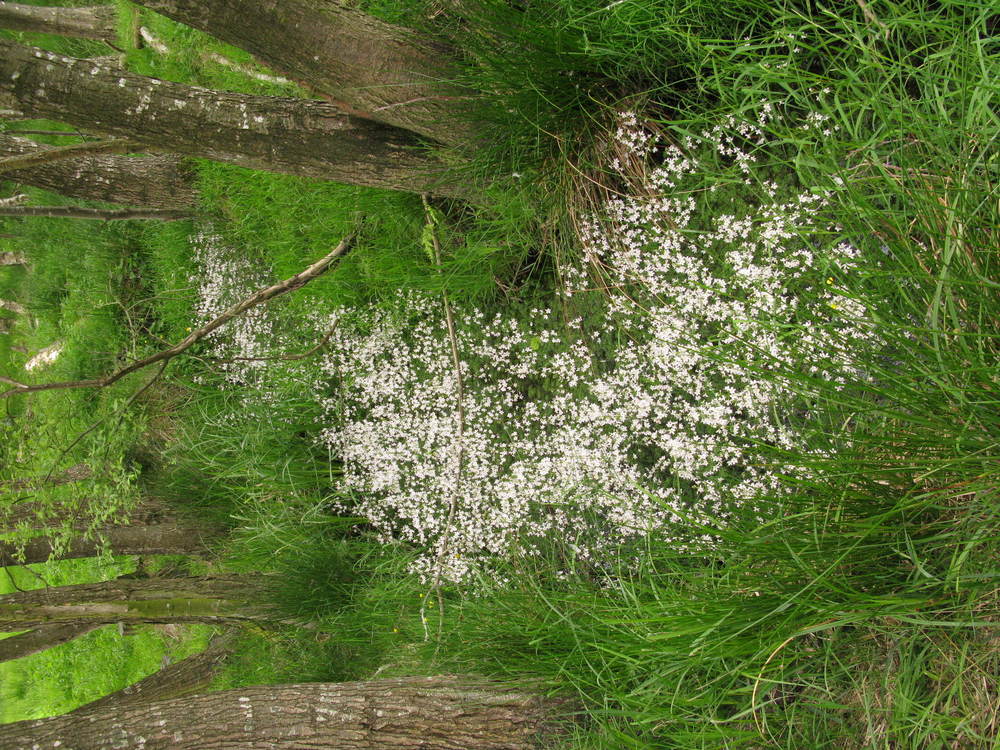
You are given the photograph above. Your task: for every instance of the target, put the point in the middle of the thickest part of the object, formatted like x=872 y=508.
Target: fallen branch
x=11 y=381
x=257 y=298
x=435 y=251
x=98 y=214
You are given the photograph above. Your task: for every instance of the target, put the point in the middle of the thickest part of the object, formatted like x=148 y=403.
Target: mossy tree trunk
x=95 y=22
x=161 y=181
x=378 y=70
x=430 y=713
x=40 y=639
x=153 y=539
x=211 y=599
x=187 y=677
x=278 y=134
x=9 y=304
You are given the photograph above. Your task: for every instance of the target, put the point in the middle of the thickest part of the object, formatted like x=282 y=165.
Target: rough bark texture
x=157 y=181
x=293 y=136
x=430 y=713
x=40 y=639
x=96 y=22
x=187 y=677
x=157 y=539
x=381 y=71
x=58 y=153
x=213 y=600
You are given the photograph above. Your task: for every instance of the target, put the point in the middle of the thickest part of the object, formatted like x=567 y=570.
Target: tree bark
x=157 y=181
x=430 y=713
x=293 y=136
x=96 y=22
x=75 y=515
x=187 y=677
x=380 y=71
x=211 y=600
x=40 y=639
x=157 y=539
x=58 y=153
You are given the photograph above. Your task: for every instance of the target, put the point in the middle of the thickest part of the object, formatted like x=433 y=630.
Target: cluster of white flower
x=225 y=277
x=647 y=418
x=638 y=403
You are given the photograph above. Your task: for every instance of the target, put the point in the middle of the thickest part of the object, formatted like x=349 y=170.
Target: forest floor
x=694 y=418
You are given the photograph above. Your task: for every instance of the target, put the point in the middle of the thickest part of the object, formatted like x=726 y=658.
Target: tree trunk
x=380 y=71
x=75 y=473
x=78 y=514
x=293 y=136
x=211 y=600
x=94 y=214
x=58 y=153
x=157 y=181
x=12 y=259
x=159 y=539
x=187 y=677
x=430 y=713
x=97 y=22
x=40 y=639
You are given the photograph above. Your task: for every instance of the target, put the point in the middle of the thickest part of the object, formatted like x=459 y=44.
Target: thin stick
x=460 y=394
x=95 y=214
x=257 y=298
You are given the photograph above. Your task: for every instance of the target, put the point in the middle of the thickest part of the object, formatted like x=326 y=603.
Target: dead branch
x=257 y=298
x=97 y=214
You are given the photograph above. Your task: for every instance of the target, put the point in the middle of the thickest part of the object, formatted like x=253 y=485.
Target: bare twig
x=257 y=298
x=460 y=395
